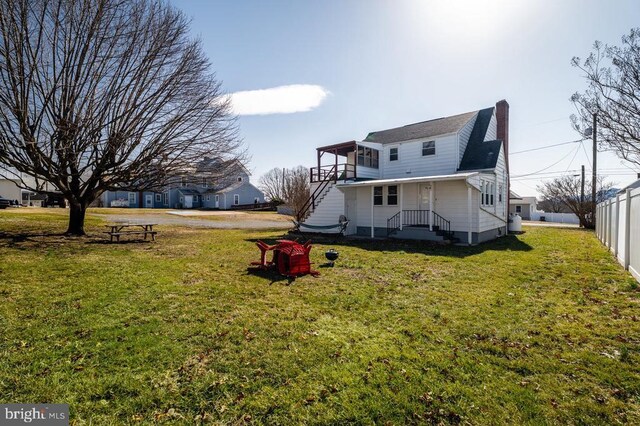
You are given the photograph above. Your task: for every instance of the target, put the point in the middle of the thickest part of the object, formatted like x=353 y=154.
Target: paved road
x=221 y=222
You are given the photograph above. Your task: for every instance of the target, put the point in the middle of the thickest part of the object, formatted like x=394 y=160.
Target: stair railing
x=393 y=223
x=442 y=224
x=310 y=204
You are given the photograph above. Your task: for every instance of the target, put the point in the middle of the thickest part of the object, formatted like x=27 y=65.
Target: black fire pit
x=331 y=256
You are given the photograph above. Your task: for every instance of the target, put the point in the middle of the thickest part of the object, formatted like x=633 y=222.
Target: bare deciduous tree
x=101 y=95
x=613 y=94
x=288 y=185
x=567 y=189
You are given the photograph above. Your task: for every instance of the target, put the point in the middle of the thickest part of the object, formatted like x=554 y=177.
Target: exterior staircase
x=415 y=226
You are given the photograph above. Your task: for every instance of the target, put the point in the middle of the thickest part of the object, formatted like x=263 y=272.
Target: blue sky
x=374 y=65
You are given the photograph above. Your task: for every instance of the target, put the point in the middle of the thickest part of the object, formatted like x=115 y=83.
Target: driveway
x=204 y=219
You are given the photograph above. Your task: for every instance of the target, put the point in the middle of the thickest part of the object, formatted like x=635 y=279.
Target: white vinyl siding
x=463 y=136
x=492 y=130
x=411 y=163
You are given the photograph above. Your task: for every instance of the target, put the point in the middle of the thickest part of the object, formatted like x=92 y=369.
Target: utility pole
x=594 y=176
x=582 y=190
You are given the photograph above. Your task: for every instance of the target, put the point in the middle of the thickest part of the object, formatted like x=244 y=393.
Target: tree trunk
x=77 y=212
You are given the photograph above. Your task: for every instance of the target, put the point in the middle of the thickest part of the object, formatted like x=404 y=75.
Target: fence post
x=627 y=231
x=609 y=228
x=615 y=249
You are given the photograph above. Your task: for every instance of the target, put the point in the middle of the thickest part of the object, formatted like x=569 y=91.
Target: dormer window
x=428 y=148
x=204 y=182
x=183 y=181
x=393 y=154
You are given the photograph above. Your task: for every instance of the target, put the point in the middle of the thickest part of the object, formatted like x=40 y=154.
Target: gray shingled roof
x=481 y=154
x=424 y=129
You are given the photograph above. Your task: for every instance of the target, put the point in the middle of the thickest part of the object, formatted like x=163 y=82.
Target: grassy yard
x=542 y=328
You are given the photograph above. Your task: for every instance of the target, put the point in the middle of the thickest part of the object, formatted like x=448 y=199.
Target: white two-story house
x=442 y=179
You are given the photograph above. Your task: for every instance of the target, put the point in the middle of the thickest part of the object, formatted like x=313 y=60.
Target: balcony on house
x=347 y=161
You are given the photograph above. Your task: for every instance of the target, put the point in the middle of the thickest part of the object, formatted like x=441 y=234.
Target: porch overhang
x=341 y=149
x=399 y=181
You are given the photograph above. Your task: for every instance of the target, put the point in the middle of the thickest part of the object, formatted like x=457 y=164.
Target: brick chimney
x=502 y=119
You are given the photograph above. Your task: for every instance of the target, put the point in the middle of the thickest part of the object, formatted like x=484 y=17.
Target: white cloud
x=278 y=100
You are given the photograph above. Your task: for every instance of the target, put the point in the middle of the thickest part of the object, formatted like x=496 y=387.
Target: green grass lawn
x=542 y=328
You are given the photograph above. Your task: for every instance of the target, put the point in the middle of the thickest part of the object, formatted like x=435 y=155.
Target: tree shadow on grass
x=429 y=248
x=25 y=240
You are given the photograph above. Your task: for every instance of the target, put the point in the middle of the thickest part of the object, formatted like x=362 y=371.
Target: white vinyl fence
x=555 y=217
x=618 y=227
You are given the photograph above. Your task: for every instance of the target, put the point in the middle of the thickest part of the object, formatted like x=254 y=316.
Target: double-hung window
x=158 y=198
x=377 y=196
x=428 y=148
x=393 y=154
x=166 y=198
x=392 y=195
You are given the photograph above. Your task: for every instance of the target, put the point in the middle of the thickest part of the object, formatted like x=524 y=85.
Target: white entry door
x=217 y=201
x=148 y=201
x=424 y=197
x=188 y=201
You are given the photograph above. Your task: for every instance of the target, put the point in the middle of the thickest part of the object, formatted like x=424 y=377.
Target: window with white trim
x=158 y=198
x=236 y=199
x=393 y=154
x=208 y=197
x=166 y=198
x=133 y=197
x=183 y=181
x=367 y=157
x=518 y=209
x=487 y=191
x=499 y=193
x=428 y=148
x=377 y=196
x=392 y=195
x=204 y=182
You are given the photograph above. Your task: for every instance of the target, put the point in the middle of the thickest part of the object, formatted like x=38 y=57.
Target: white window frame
x=397 y=153
x=165 y=198
x=183 y=181
x=158 y=197
x=423 y=148
x=500 y=193
x=236 y=199
x=208 y=197
x=217 y=198
x=135 y=198
x=389 y=195
x=204 y=182
x=379 y=196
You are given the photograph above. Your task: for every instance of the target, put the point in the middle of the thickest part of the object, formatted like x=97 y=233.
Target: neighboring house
x=33 y=199
x=522 y=206
x=211 y=184
x=10 y=189
x=440 y=179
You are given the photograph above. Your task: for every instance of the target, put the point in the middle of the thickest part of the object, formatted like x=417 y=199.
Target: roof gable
x=480 y=154
x=424 y=129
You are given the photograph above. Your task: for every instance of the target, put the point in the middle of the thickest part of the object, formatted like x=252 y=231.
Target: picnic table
x=116 y=230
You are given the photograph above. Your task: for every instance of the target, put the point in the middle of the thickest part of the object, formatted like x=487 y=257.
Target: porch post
x=401 y=201
x=469 y=204
x=372 y=198
x=319 y=155
x=431 y=206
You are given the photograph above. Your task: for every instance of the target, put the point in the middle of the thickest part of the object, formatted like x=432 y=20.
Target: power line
x=546 y=168
x=545 y=147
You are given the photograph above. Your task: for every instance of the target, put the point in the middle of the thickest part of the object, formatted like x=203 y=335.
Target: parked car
x=4 y=203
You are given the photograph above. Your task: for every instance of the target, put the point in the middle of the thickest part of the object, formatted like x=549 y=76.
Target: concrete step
x=417 y=233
